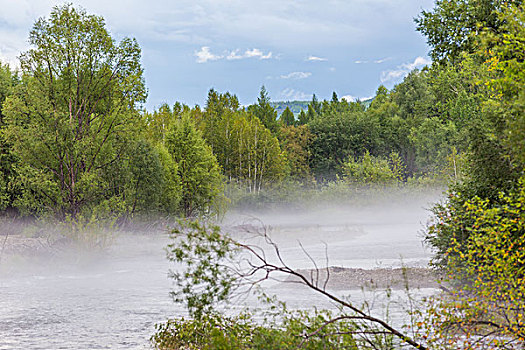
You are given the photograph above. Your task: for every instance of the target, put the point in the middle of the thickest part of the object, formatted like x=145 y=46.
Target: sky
x=293 y=47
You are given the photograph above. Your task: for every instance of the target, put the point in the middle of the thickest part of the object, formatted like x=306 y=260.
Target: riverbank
x=343 y=278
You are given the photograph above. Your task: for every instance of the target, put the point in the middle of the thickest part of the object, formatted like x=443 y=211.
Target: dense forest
x=77 y=146
x=76 y=142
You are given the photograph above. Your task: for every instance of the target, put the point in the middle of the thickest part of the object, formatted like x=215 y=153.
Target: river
x=113 y=298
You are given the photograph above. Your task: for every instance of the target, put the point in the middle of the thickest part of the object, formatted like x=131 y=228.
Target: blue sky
x=294 y=48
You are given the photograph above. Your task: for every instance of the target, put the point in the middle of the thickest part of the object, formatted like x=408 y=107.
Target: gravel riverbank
x=337 y=278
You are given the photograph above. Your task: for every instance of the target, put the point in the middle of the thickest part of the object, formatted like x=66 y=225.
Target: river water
x=112 y=299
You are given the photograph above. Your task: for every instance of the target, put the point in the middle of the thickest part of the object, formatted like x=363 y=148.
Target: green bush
x=482 y=246
x=215 y=331
x=369 y=170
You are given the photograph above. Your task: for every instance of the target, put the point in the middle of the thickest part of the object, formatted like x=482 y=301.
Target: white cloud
x=402 y=71
x=296 y=75
x=256 y=53
x=350 y=98
x=316 y=59
x=205 y=55
x=307 y=23
x=203 y=22
x=10 y=49
x=382 y=60
x=418 y=62
x=294 y=95
x=234 y=55
x=392 y=75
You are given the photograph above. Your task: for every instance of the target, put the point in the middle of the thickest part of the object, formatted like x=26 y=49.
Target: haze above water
x=112 y=299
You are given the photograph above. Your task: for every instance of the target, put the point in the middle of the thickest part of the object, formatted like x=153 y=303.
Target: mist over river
x=113 y=298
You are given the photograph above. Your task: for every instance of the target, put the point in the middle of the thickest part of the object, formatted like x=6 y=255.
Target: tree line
x=76 y=141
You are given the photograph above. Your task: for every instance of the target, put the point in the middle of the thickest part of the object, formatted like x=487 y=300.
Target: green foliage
x=8 y=81
x=147 y=177
x=170 y=194
x=506 y=58
x=414 y=97
x=468 y=122
x=315 y=106
x=246 y=150
x=433 y=141
x=397 y=166
x=495 y=250
x=451 y=26
x=299 y=107
x=219 y=109
x=217 y=103
x=264 y=111
x=70 y=116
x=287 y=117
x=295 y=142
x=338 y=136
x=487 y=256
x=394 y=128
x=159 y=122
x=242 y=332
x=208 y=279
x=368 y=170
x=197 y=167
x=450 y=225
x=476 y=99
x=256 y=157
x=458 y=91
x=302 y=118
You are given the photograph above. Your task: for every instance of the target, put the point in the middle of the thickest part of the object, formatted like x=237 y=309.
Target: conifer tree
x=287 y=117
x=264 y=111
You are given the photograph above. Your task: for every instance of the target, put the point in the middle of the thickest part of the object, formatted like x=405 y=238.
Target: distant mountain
x=367 y=102
x=297 y=106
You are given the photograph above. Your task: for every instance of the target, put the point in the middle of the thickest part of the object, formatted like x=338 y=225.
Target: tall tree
x=257 y=159
x=507 y=58
x=335 y=99
x=495 y=158
x=264 y=111
x=8 y=81
x=287 y=117
x=146 y=179
x=340 y=135
x=452 y=25
x=73 y=111
x=302 y=118
x=316 y=105
x=295 y=141
x=198 y=170
x=159 y=122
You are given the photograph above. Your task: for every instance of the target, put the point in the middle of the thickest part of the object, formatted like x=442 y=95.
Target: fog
x=71 y=298
x=381 y=231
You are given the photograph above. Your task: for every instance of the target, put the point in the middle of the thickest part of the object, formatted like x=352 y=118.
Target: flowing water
x=106 y=301
x=113 y=299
